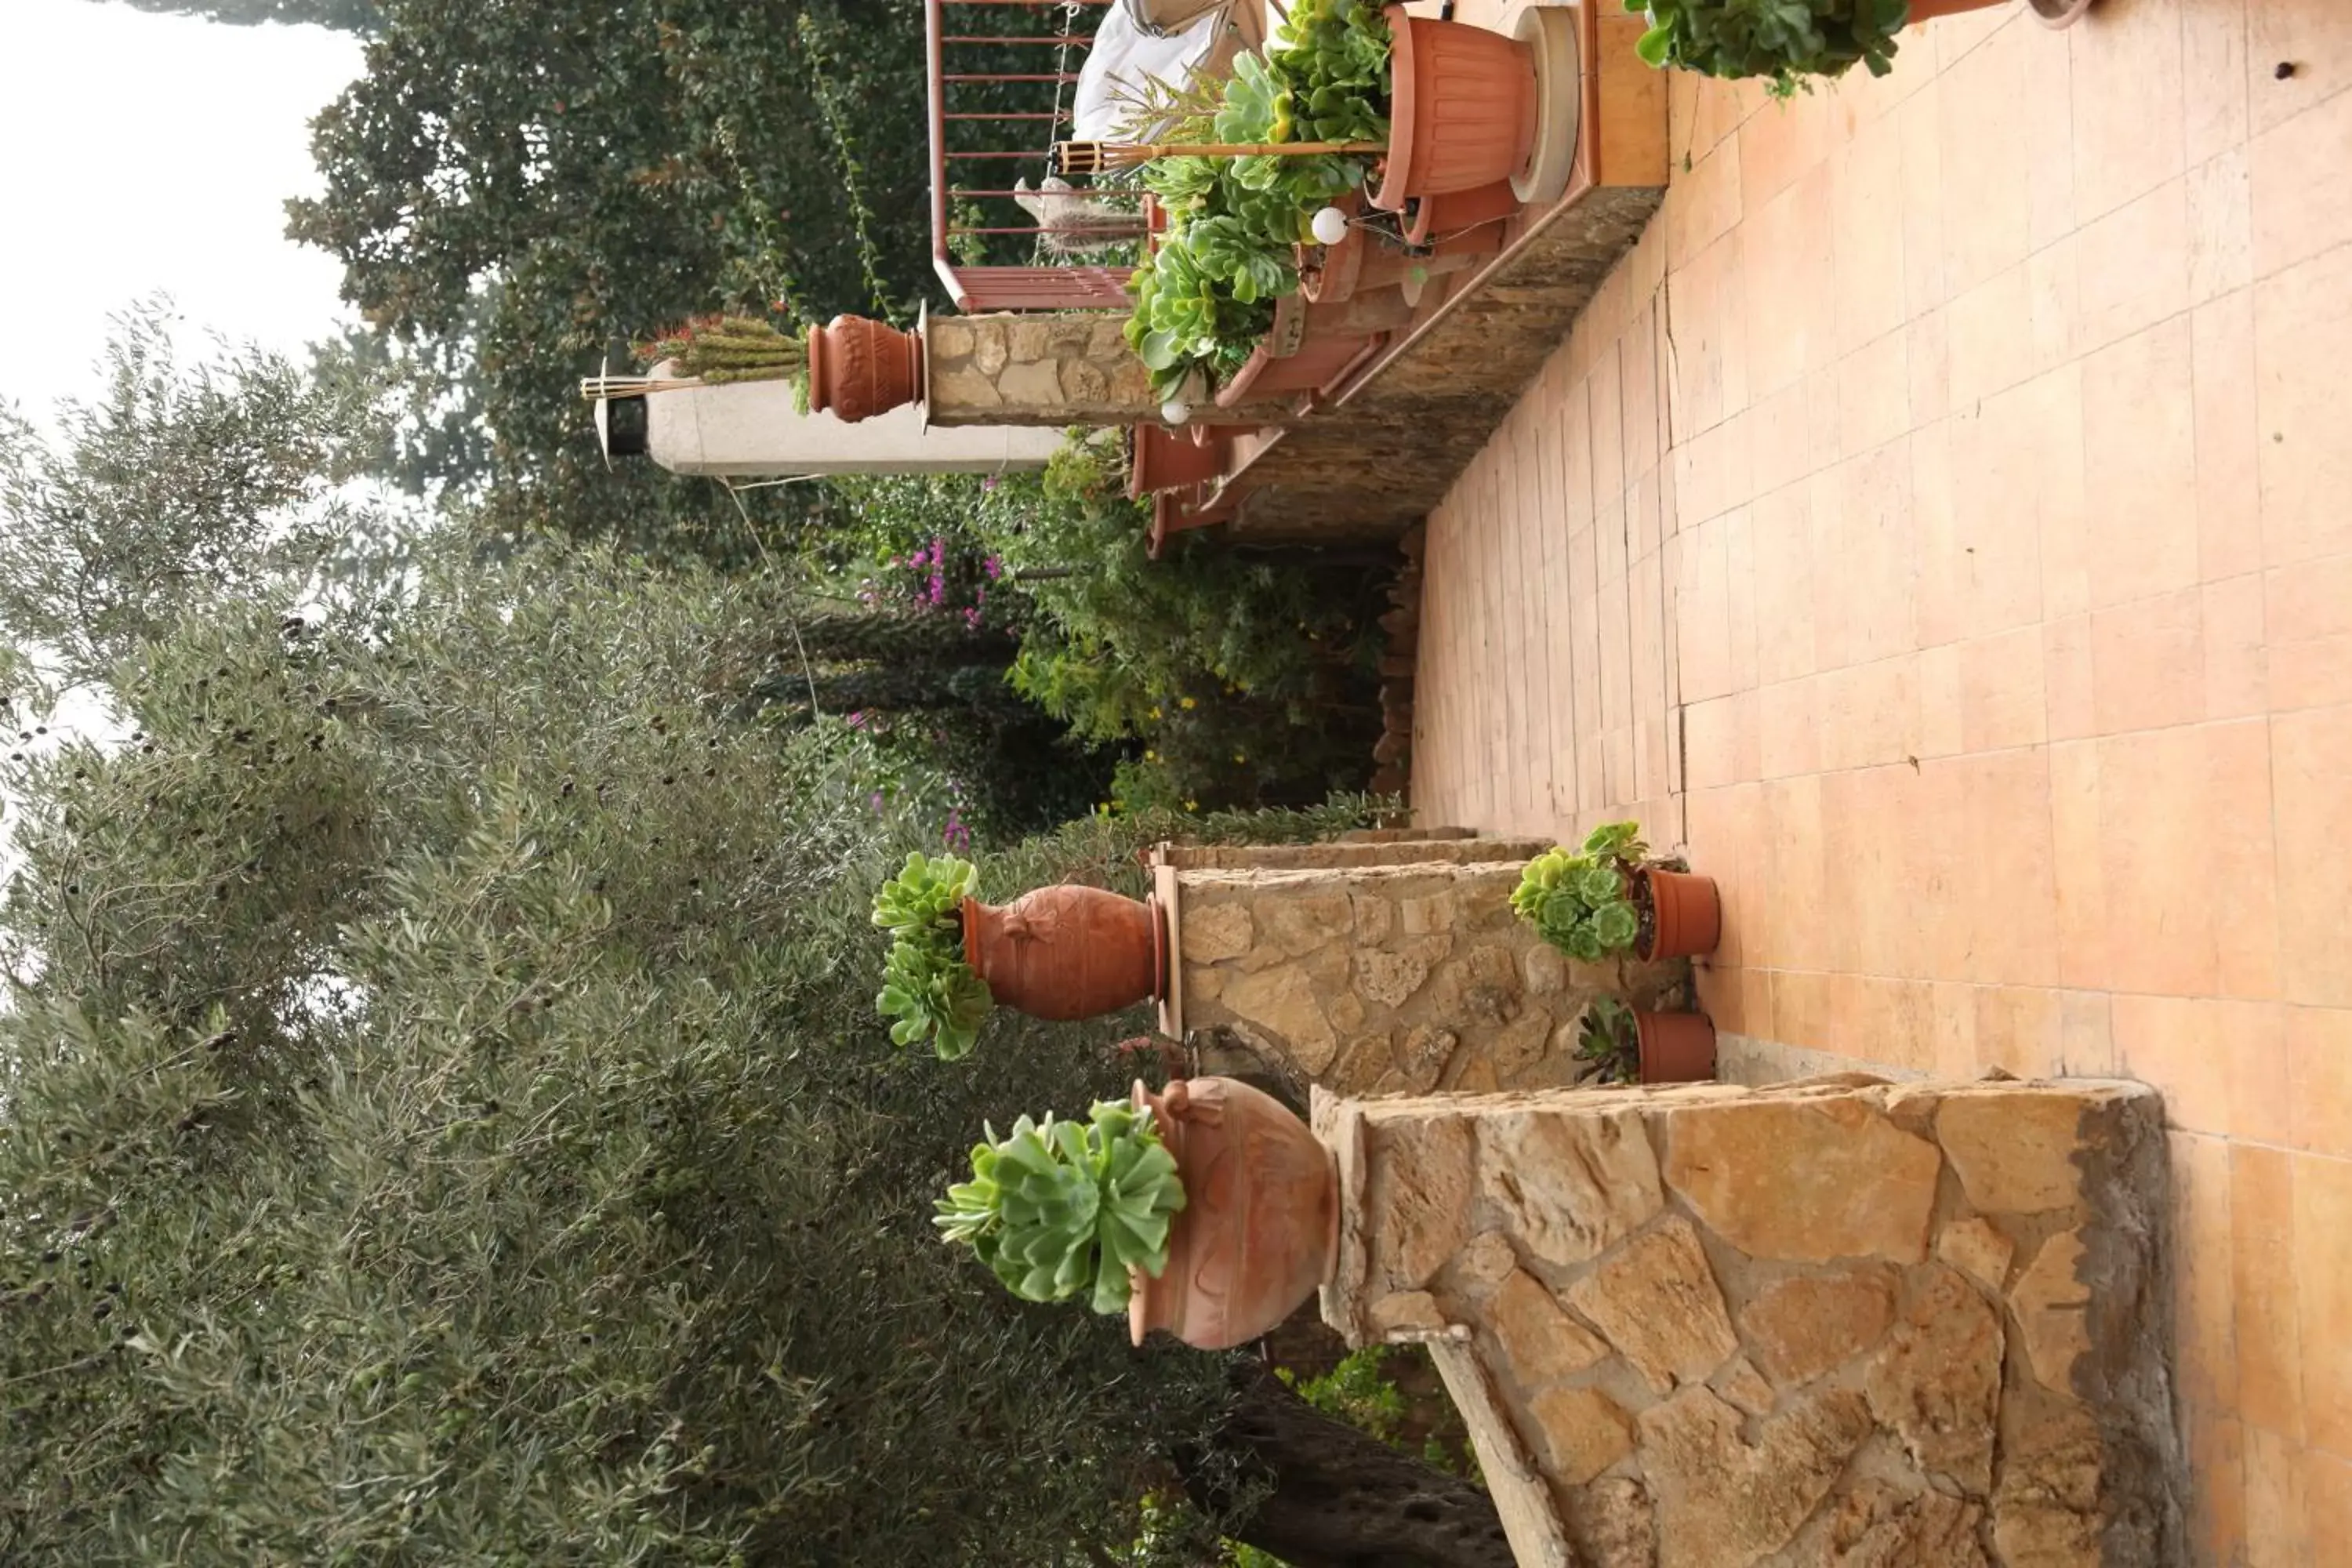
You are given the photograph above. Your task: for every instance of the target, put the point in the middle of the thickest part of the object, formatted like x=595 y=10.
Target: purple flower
x=989 y=483
x=857 y=719
x=993 y=566
x=956 y=835
x=938 y=550
x=972 y=617
x=875 y=801
x=939 y=590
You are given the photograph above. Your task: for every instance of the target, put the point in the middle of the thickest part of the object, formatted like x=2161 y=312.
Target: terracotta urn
x=1462 y=108
x=859 y=368
x=1260 y=1227
x=1066 y=952
x=1676 y=1047
x=1682 y=914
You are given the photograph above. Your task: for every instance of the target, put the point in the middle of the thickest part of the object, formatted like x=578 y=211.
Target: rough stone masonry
x=1391 y=967
x=1834 y=1324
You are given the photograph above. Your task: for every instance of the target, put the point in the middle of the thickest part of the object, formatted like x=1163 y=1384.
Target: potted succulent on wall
x=1608 y=898
x=1059 y=953
x=1207 y=1211
x=852 y=368
x=1063 y=1208
x=1618 y=1044
x=926 y=986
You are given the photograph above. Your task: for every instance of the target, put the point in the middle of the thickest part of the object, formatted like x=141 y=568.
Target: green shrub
x=1783 y=40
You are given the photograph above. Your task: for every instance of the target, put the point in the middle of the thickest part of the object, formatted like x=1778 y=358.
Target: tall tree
x=351 y=15
x=178 y=482
x=445 y=1120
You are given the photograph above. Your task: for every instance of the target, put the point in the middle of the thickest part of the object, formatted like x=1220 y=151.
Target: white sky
x=149 y=152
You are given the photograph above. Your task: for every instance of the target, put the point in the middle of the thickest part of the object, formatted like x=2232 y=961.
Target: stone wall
x=1393 y=968
x=1057 y=369
x=1831 y=1325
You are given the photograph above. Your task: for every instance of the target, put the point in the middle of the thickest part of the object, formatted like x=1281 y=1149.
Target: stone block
x=990 y=348
x=1209 y=932
x=2049 y=1511
x=2015 y=1152
x=1568 y=1187
x=1409 y=1311
x=1277 y=1010
x=1545 y=969
x=1482 y=1265
x=1539 y=1338
x=1880 y=1525
x=1977 y=1250
x=1418 y=1184
x=1744 y=1387
x=1612 y=1523
x=1811 y=1323
x=1936 y=1382
x=1582 y=1432
x=1391 y=979
x=1804 y=1180
x=1425 y=1056
x=1656 y=1300
x=1521 y=1497
x=1723 y=1502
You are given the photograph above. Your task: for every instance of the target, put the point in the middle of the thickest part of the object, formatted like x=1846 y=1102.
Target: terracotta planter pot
x=1315 y=362
x=1454 y=219
x=859 y=368
x=1463 y=110
x=1178 y=511
x=1166 y=460
x=1676 y=1047
x=1065 y=951
x=1686 y=915
x=1260 y=1226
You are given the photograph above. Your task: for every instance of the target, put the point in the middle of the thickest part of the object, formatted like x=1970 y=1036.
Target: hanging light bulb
x=1175 y=411
x=1331 y=226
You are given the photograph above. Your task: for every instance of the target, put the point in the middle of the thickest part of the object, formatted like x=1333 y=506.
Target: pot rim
x=1404 y=107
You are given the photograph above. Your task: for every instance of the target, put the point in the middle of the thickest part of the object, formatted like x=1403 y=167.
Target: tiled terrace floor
x=1942 y=524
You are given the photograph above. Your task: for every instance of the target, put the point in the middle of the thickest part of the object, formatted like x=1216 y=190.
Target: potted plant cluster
x=1790 y=40
x=1609 y=898
x=1207 y=1211
x=1059 y=953
x=1436 y=106
x=1619 y=1044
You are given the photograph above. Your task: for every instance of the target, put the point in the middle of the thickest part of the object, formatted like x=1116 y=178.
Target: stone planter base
x=1836 y=1321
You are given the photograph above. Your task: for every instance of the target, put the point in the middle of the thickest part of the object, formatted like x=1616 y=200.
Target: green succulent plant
x=1608 y=1044
x=1204 y=296
x=1061 y=1208
x=926 y=986
x=1584 y=903
x=1786 y=40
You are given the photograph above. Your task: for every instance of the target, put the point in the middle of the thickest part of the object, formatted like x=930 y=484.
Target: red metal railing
x=974 y=288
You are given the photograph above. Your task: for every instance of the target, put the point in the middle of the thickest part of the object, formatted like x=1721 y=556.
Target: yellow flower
x=1191 y=806
x=1239 y=758
x=1188 y=702
x=1149 y=755
x=1155 y=712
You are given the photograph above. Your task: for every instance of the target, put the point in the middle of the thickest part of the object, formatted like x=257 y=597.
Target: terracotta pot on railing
x=1676 y=1047
x=1454 y=218
x=1260 y=1226
x=859 y=368
x=1169 y=459
x=1066 y=952
x=1462 y=112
